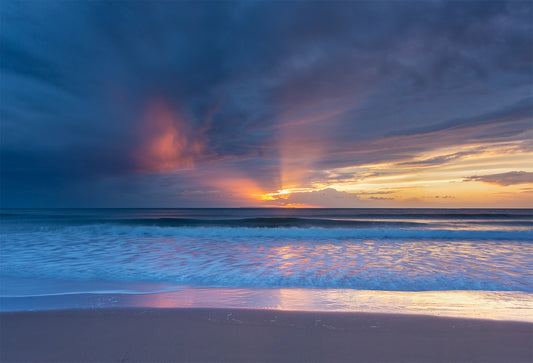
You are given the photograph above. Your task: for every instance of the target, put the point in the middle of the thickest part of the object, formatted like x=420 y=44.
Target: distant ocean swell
x=330 y=221
x=384 y=226
x=390 y=250
x=364 y=230
x=366 y=259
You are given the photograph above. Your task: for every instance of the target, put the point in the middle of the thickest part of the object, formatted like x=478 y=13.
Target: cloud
x=380 y=198
x=333 y=84
x=504 y=179
x=442 y=159
x=508 y=123
x=520 y=111
x=169 y=143
x=327 y=198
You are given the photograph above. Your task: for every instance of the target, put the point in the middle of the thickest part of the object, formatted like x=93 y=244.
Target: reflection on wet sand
x=465 y=304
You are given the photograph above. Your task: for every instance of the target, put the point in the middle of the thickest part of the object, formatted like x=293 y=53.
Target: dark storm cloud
x=78 y=80
x=507 y=123
x=521 y=111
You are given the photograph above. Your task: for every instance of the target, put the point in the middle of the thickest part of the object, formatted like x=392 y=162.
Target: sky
x=266 y=104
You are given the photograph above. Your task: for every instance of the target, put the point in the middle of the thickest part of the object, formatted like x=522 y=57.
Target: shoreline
x=225 y=334
x=492 y=305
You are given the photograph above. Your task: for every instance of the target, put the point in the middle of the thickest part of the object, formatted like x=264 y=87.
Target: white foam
x=271 y=258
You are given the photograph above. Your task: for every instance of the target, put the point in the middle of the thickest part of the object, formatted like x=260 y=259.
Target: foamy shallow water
x=508 y=305
x=243 y=257
x=470 y=263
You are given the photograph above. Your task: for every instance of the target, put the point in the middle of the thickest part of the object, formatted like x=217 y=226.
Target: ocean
x=452 y=262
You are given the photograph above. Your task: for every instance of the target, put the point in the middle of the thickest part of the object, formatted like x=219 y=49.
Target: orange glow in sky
x=169 y=142
x=414 y=182
x=463 y=175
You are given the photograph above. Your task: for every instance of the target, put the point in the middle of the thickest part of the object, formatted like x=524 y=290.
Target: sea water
x=454 y=262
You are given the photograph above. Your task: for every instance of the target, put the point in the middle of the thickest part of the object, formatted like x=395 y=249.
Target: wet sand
x=126 y=335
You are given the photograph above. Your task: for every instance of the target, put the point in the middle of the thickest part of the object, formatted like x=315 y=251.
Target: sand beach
x=234 y=335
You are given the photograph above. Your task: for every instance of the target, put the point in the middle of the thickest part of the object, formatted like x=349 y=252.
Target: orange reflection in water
x=287 y=258
x=496 y=305
x=168 y=300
